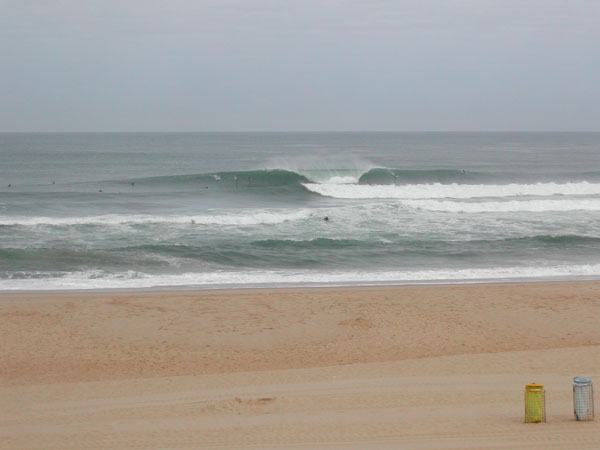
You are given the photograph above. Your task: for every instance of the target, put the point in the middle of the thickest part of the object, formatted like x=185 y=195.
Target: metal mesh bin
x=583 y=398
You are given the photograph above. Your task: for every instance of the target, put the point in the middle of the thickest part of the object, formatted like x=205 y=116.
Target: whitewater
x=336 y=189
x=145 y=211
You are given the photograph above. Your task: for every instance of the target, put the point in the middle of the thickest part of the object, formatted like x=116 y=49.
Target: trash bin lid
x=534 y=387
x=581 y=381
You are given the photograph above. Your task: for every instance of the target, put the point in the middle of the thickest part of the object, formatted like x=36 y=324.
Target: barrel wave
x=283 y=177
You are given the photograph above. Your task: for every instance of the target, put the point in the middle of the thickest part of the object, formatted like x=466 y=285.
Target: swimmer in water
x=326 y=219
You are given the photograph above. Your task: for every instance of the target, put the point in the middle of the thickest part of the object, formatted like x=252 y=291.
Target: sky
x=299 y=65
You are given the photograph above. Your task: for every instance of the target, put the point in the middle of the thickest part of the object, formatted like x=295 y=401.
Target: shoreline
x=357 y=367
x=316 y=285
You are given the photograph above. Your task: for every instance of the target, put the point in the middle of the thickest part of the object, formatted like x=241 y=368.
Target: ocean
x=212 y=210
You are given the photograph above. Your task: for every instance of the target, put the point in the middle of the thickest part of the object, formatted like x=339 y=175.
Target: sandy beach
x=414 y=367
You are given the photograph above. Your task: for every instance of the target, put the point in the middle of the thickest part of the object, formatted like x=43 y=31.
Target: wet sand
x=357 y=367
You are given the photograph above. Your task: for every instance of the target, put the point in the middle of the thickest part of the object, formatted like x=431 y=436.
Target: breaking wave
x=340 y=176
x=461 y=191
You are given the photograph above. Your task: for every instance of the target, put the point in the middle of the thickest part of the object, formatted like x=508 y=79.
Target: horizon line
x=284 y=131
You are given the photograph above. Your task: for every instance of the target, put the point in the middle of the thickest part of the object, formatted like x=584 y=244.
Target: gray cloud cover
x=299 y=65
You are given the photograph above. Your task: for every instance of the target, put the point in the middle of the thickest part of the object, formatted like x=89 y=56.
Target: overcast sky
x=226 y=65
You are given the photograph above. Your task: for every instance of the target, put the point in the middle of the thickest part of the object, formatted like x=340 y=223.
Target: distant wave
x=98 y=279
x=460 y=191
x=263 y=177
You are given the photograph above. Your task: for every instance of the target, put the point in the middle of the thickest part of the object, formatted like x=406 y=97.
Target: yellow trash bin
x=535 y=403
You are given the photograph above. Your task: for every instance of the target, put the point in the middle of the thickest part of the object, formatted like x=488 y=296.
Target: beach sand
x=415 y=367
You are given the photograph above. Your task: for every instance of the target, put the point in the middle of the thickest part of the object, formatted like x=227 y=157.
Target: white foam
x=221 y=218
x=505 y=206
x=342 y=180
x=461 y=191
x=98 y=279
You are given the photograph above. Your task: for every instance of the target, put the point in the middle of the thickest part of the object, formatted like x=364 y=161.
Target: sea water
x=205 y=210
